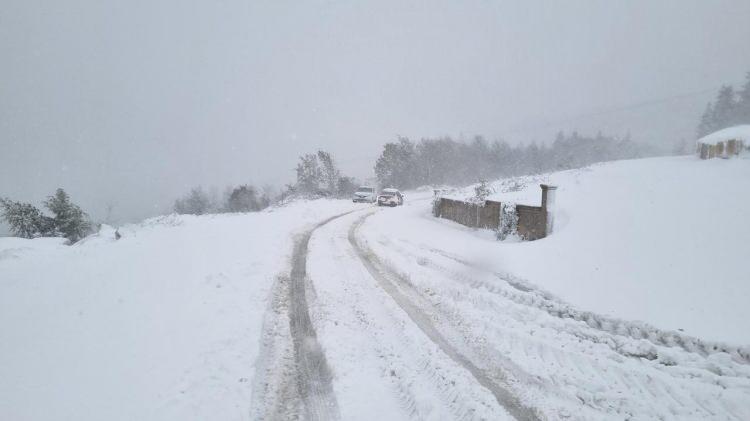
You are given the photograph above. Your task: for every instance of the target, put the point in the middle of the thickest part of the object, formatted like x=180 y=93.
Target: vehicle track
x=308 y=369
x=590 y=365
x=392 y=283
x=376 y=350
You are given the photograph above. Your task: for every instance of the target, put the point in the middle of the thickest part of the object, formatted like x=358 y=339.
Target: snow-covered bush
x=243 y=199
x=481 y=191
x=508 y=221
x=25 y=220
x=197 y=202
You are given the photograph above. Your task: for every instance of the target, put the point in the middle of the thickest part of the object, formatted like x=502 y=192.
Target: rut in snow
x=387 y=280
x=313 y=372
x=587 y=364
x=525 y=293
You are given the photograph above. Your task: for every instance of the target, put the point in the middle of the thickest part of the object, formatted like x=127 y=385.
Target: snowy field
x=635 y=308
x=663 y=240
x=163 y=324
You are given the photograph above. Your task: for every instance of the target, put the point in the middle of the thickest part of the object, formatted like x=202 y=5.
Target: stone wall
x=534 y=222
x=720 y=149
x=473 y=215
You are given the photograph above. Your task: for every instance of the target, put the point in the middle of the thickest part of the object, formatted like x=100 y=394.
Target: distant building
x=724 y=143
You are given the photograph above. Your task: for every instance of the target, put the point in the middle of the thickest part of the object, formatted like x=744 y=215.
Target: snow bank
x=661 y=240
x=730 y=133
x=163 y=324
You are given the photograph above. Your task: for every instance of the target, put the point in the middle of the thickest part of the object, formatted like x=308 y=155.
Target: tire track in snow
x=679 y=384
x=275 y=395
x=423 y=382
x=383 y=276
x=527 y=294
x=313 y=373
x=292 y=376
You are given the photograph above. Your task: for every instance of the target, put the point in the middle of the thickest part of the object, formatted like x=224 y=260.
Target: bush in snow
x=508 y=221
x=346 y=186
x=197 y=202
x=481 y=191
x=25 y=220
x=243 y=199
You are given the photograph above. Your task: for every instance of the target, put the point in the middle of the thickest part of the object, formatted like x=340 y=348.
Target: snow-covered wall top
x=736 y=132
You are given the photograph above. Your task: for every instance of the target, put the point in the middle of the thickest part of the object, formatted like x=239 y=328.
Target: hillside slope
x=663 y=240
x=163 y=324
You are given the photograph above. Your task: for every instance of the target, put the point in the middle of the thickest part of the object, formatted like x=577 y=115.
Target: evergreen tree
x=25 y=220
x=723 y=115
x=69 y=220
x=707 y=124
x=742 y=115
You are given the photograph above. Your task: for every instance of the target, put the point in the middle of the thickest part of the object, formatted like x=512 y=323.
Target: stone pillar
x=548 y=206
x=731 y=147
x=704 y=151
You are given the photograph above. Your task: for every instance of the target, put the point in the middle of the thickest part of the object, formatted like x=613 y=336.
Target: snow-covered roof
x=736 y=132
x=390 y=190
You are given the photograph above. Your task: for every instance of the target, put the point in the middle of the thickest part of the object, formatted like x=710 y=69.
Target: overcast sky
x=132 y=102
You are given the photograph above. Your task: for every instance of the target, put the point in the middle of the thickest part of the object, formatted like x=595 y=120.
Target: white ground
x=164 y=324
x=418 y=318
x=663 y=240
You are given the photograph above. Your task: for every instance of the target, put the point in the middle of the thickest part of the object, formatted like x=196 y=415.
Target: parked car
x=364 y=194
x=390 y=197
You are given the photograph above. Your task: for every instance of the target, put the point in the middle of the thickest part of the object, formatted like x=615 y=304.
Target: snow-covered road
x=410 y=331
x=325 y=309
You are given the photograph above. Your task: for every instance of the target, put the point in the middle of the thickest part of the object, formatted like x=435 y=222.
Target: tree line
x=242 y=198
x=730 y=108
x=406 y=164
x=317 y=175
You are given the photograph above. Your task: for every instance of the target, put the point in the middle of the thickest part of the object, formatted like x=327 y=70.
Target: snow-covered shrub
x=197 y=202
x=508 y=221
x=243 y=199
x=481 y=191
x=69 y=220
x=25 y=220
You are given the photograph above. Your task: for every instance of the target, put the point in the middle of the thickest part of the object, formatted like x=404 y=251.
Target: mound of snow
x=163 y=324
x=730 y=133
x=662 y=240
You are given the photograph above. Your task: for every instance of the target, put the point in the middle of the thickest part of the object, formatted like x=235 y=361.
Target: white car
x=364 y=194
x=390 y=197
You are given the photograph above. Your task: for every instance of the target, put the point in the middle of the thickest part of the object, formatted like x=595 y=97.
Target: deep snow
x=662 y=240
x=188 y=317
x=741 y=132
x=163 y=324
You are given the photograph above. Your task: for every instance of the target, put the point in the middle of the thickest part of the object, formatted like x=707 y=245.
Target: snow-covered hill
x=334 y=309
x=663 y=240
x=163 y=324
